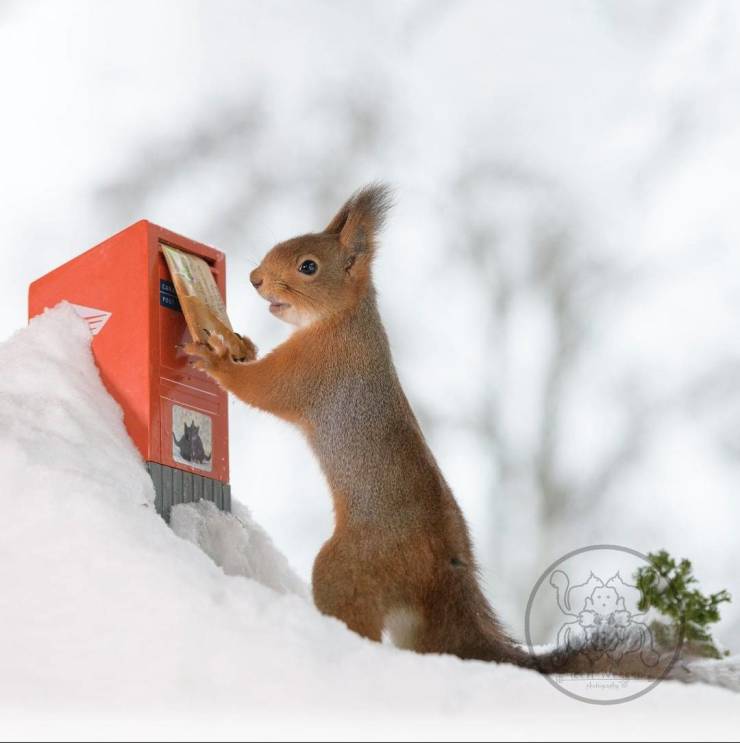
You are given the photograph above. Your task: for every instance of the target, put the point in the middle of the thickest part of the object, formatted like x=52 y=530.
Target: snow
x=116 y=625
x=236 y=544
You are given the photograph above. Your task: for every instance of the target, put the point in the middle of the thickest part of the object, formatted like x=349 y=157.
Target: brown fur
x=401 y=550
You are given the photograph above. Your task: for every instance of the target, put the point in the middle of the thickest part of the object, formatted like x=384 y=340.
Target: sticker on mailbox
x=192 y=438
x=168 y=295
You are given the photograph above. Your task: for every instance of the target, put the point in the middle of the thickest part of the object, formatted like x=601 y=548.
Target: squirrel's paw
x=208 y=356
x=248 y=351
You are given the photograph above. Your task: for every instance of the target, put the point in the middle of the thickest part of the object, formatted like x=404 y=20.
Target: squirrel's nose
x=255 y=279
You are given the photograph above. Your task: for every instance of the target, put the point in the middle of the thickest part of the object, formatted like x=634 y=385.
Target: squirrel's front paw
x=247 y=351
x=209 y=356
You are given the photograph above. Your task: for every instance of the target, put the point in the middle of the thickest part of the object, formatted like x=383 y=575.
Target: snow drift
x=107 y=613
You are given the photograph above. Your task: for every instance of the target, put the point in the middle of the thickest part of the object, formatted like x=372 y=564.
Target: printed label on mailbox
x=192 y=438
x=168 y=295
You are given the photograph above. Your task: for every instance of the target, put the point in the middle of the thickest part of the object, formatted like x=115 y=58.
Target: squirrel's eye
x=308 y=267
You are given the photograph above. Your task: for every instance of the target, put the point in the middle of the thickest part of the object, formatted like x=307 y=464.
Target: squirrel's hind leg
x=340 y=592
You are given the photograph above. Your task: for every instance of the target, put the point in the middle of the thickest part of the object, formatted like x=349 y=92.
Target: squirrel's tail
x=473 y=632
x=587 y=661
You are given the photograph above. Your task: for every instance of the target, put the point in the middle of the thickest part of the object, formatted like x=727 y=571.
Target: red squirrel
x=400 y=559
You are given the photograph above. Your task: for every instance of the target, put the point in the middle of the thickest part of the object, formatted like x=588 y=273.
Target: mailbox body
x=176 y=415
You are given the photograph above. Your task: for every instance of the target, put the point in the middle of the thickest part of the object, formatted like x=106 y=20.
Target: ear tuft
x=358 y=222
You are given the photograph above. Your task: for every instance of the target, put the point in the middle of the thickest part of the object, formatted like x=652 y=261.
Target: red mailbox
x=176 y=415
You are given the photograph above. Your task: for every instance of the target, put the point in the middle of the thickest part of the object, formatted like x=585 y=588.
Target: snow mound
x=107 y=614
x=236 y=544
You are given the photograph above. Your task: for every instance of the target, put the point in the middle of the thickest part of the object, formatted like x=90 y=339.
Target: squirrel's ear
x=358 y=222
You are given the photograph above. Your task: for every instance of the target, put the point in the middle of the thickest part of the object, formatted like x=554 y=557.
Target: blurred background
x=560 y=278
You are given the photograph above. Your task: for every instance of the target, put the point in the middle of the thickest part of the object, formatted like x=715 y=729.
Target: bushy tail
x=587 y=661
x=670 y=665
x=469 y=628
x=631 y=653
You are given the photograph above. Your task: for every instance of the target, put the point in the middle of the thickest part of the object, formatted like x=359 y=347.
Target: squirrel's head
x=315 y=275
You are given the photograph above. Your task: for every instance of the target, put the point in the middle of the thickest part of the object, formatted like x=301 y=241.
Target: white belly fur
x=402 y=625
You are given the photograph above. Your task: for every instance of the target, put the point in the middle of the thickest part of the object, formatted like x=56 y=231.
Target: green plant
x=669 y=586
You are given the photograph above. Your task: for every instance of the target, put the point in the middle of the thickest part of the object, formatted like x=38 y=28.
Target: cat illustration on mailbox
x=191 y=438
x=191 y=445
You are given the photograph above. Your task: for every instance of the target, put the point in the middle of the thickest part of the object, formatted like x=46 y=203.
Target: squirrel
x=400 y=559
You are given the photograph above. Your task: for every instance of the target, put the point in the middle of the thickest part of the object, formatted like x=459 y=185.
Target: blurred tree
x=237 y=147
x=543 y=287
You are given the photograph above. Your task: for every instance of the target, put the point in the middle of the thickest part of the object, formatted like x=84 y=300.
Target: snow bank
x=236 y=544
x=107 y=616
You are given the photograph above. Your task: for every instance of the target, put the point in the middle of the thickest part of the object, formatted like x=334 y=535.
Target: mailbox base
x=173 y=486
